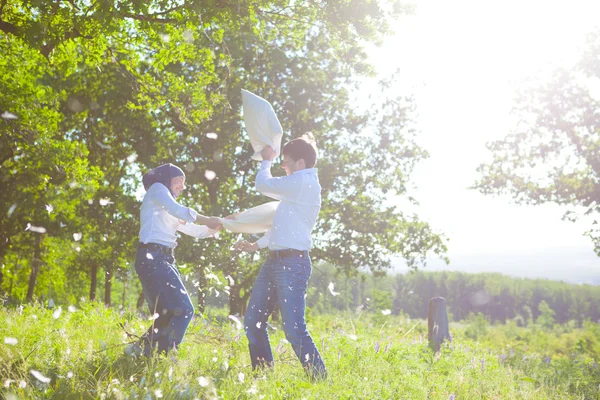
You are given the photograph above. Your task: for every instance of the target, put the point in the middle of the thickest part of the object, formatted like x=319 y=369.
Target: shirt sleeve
x=195 y=230
x=163 y=197
x=283 y=188
x=264 y=241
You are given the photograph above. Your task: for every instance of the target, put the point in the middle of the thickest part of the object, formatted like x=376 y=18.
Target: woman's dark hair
x=162 y=174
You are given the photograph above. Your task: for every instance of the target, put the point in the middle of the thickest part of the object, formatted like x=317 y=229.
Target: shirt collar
x=306 y=171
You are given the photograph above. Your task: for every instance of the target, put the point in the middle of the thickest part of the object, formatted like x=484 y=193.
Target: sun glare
x=463 y=62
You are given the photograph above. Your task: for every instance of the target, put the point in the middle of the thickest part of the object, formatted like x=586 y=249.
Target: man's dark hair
x=302 y=147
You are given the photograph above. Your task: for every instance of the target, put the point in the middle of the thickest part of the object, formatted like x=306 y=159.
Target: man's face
x=177 y=185
x=290 y=166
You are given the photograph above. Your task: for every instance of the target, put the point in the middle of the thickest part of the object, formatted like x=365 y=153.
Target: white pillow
x=254 y=220
x=262 y=124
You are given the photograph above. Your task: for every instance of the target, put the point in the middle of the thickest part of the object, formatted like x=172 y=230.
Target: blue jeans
x=283 y=282
x=166 y=296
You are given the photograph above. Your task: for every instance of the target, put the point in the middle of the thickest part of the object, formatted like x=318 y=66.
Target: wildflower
x=202 y=381
x=387 y=347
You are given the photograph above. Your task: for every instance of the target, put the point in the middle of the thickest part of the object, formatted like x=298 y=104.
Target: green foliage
x=104 y=91
x=552 y=156
x=478 y=326
x=546 y=317
x=497 y=297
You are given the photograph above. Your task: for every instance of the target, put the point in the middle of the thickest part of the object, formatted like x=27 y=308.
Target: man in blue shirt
x=283 y=278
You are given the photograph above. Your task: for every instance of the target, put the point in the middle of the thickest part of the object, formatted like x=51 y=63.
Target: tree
x=137 y=85
x=553 y=156
x=546 y=315
x=44 y=176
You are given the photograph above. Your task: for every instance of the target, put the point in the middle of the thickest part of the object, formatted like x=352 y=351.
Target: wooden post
x=438 y=323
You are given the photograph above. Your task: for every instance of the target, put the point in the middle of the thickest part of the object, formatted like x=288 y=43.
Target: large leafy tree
x=142 y=84
x=43 y=174
x=553 y=156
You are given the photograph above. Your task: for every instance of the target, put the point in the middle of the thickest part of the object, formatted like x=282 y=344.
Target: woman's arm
x=197 y=231
x=163 y=197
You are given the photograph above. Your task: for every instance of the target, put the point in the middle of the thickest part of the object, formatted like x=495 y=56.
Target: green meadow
x=78 y=352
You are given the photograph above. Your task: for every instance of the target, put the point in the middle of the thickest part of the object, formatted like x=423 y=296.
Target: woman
x=161 y=218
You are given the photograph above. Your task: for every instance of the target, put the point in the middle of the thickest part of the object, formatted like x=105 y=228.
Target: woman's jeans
x=283 y=282
x=166 y=296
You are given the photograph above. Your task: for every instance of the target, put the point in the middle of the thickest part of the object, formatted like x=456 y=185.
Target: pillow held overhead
x=262 y=124
x=254 y=220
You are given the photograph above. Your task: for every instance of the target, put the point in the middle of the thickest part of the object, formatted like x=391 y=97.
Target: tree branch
x=2 y=7
x=7 y=27
x=148 y=17
x=151 y=18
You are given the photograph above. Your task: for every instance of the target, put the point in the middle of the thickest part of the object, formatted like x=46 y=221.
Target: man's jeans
x=166 y=296
x=283 y=282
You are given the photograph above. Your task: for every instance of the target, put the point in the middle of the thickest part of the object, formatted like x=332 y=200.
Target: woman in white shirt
x=161 y=217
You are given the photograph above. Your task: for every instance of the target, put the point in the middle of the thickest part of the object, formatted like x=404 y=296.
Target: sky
x=463 y=60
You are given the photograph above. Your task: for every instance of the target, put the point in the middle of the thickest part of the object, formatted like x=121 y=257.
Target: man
x=283 y=278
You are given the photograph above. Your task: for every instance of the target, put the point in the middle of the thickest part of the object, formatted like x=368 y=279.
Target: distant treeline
x=496 y=296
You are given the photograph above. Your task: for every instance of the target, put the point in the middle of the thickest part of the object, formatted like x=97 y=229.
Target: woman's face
x=177 y=185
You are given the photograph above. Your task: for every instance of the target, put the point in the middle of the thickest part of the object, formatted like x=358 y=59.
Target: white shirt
x=296 y=215
x=160 y=217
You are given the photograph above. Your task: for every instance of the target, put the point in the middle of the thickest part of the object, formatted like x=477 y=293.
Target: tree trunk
x=235 y=302
x=124 y=294
x=94 y=278
x=3 y=248
x=201 y=290
x=140 y=300
x=107 y=287
x=438 y=323
x=12 y=280
x=35 y=266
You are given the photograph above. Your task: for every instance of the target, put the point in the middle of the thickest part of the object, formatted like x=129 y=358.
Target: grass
x=79 y=353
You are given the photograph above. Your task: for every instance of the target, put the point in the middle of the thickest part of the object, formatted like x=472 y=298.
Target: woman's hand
x=214 y=223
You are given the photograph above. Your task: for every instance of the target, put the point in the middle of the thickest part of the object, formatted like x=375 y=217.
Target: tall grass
x=79 y=353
